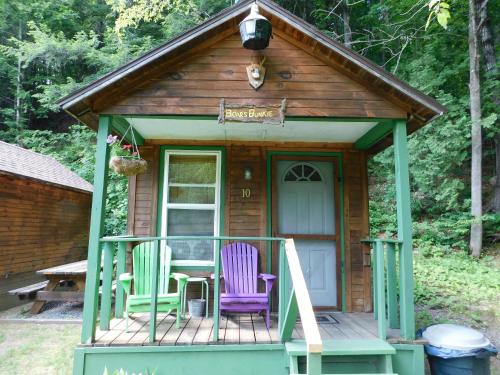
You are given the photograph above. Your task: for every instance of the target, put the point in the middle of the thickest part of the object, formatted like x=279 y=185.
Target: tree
x=490 y=63
x=476 y=232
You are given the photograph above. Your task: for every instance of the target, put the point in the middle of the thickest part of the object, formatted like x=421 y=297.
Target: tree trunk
x=18 y=82
x=487 y=42
x=346 y=17
x=496 y=187
x=476 y=235
x=490 y=62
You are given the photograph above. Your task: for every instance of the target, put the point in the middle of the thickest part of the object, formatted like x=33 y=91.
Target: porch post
x=96 y=232
x=407 y=308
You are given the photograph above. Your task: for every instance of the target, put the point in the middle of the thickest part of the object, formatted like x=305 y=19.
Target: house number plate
x=246 y=193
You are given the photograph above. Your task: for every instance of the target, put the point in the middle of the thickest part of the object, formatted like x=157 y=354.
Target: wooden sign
x=265 y=114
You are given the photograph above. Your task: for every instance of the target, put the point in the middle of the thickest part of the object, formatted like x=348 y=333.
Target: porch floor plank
x=161 y=330
x=204 y=332
x=232 y=335
x=261 y=333
x=173 y=333
x=189 y=332
x=136 y=323
x=233 y=330
x=247 y=332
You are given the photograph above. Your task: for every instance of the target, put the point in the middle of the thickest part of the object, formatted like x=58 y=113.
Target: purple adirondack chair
x=239 y=265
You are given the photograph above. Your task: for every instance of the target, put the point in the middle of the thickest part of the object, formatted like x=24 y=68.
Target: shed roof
x=15 y=160
x=420 y=107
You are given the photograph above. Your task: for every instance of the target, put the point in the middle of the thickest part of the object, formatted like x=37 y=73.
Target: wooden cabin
x=284 y=167
x=44 y=220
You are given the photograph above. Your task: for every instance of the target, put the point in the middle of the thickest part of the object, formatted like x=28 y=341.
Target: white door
x=306 y=212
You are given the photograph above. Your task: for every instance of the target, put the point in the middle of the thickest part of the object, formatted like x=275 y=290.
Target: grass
x=453 y=287
x=37 y=349
x=459 y=284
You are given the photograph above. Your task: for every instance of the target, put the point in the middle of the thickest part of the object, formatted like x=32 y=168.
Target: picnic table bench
x=72 y=272
x=28 y=291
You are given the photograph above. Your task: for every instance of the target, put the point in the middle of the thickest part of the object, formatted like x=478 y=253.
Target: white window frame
x=211 y=206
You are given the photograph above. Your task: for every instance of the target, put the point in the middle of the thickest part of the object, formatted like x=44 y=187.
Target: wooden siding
x=143 y=195
x=248 y=216
x=357 y=270
x=195 y=86
x=41 y=225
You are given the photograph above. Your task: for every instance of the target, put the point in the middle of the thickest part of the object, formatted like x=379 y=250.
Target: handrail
x=299 y=301
x=310 y=326
x=185 y=238
x=385 y=282
x=110 y=252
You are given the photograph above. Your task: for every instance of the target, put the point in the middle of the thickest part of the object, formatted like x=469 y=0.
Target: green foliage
x=456 y=282
x=441 y=11
x=132 y=13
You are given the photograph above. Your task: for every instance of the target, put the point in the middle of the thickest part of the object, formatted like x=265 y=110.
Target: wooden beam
x=374 y=135
x=96 y=232
x=402 y=177
x=59 y=296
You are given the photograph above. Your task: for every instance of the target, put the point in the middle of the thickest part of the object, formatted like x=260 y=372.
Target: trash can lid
x=453 y=336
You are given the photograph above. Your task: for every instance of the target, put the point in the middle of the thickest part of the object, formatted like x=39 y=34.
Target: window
x=191 y=197
x=302 y=172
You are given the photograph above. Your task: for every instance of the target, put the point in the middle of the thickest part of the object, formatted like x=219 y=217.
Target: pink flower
x=111 y=139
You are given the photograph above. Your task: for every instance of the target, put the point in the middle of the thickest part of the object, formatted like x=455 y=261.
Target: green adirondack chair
x=140 y=300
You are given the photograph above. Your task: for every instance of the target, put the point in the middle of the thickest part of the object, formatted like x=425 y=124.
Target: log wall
x=41 y=225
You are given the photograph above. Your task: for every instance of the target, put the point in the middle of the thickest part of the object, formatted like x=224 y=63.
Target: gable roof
x=420 y=107
x=15 y=160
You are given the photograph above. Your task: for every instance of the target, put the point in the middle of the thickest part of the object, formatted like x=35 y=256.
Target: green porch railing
x=386 y=280
x=293 y=297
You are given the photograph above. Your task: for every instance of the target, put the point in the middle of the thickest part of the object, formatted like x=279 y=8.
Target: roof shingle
x=19 y=161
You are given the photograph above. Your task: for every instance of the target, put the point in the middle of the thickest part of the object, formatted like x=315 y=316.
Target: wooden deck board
x=189 y=332
x=261 y=333
x=233 y=329
x=232 y=335
x=173 y=333
x=136 y=323
x=165 y=325
x=204 y=333
x=247 y=332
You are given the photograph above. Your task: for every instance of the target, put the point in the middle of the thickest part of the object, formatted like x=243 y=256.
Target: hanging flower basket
x=128 y=166
x=126 y=159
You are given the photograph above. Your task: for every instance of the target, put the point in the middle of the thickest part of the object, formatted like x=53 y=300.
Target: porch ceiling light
x=255 y=30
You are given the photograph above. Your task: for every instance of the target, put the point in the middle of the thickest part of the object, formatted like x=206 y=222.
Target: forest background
x=50 y=48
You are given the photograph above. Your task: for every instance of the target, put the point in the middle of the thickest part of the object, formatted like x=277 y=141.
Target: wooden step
x=343 y=347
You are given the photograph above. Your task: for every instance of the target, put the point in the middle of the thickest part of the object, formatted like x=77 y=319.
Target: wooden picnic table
x=74 y=272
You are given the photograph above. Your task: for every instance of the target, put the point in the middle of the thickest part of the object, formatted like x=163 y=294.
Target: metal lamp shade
x=255 y=30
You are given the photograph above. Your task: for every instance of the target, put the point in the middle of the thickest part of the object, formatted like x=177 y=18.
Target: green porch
x=378 y=343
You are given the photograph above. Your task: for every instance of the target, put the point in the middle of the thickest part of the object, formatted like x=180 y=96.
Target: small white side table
x=204 y=291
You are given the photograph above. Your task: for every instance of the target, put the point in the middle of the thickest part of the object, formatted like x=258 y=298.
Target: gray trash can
x=457 y=350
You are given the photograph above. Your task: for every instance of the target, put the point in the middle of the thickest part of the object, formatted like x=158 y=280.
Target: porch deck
x=234 y=329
